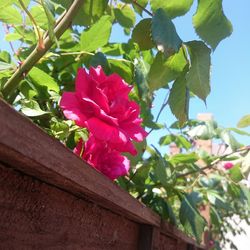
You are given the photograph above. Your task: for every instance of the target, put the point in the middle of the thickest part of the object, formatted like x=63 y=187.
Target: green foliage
x=153 y=57
x=164 y=33
x=97 y=36
x=198 y=77
x=173 y=8
x=210 y=22
x=244 y=122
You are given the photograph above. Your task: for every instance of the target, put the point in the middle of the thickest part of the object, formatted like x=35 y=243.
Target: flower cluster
x=101 y=104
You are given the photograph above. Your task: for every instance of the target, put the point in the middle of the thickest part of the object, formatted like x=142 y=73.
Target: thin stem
x=212 y=165
x=40 y=39
x=37 y=54
x=164 y=104
x=7 y=31
x=141 y=7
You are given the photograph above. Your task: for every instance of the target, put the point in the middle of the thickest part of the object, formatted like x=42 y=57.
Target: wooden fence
x=51 y=199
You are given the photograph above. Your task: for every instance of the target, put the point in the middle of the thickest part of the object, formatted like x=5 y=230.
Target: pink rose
x=228 y=165
x=101 y=104
x=106 y=160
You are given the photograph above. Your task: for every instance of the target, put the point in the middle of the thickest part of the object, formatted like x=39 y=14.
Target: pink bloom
x=228 y=165
x=107 y=161
x=101 y=104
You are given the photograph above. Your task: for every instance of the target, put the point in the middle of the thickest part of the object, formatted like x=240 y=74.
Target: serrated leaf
x=173 y=8
x=210 y=22
x=41 y=78
x=142 y=34
x=190 y=218
x=164 y=33
x=97 y=36
x=179 y=99
x=164 y=70
x=244 y=122
x=10 y=15
x=125 y=16
x=32 y=109
x=198 y=77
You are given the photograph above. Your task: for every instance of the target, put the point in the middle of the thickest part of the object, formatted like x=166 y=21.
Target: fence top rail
x=28 y=149
x=25 y=147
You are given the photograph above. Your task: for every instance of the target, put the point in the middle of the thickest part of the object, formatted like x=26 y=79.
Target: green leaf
x=238 y=131
x=244 y=122
x=184 y=158
x=179 y=99
x=5 y=3
x=5 y=56
x=190 y=218
x=204 y=131
x=27 y=89
x=10 y=15
x=164 y=33
x=97 y=36
x=229 y=139
x=49 y=10
x=142 y=3
x=39 y=15
x=198 y=77
x=142 y=34
x=41 y=78
x=141 y=71
x=210 y=22
x=32 y=109
x=125 y=16
x=162 y=170
x=164 y=70
x=12 y=37
x=89 y=12
x=100 y=59
x=173 y=8
x=5 y=66
x=123 y=68
x=216 y=200
x=235 y=173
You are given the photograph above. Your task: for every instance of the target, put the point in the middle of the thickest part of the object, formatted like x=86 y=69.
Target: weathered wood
x=26 y=147
x=36 y=215
x=145 y=237
x=51 y=199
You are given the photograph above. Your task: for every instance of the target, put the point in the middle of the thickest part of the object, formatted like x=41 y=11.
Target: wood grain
x=26 y=147
x=35 y=215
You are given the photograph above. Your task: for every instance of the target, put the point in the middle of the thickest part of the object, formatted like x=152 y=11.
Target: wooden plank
x=27 y=148
x=172 y=231
x=145 y=237
x=36 y=215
